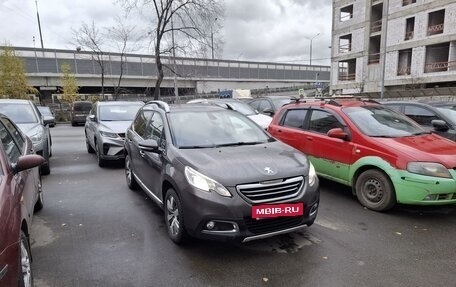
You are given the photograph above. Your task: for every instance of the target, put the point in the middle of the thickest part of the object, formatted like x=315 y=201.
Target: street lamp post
x=212 y=39
x=310 y=56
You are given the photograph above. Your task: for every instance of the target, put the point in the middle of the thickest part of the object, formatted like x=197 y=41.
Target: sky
x=251 y=30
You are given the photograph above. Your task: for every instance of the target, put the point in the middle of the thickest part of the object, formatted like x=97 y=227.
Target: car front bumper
x=424 y=190
x=111 y=149
x=232 y=217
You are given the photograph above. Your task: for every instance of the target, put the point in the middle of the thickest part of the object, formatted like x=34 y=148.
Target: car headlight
x=205 y=183
x=107 y=134
x=36 y=138
x=312 y=174
x=428 y=168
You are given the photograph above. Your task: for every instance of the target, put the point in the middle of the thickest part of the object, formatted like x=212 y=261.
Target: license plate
x=277 y=210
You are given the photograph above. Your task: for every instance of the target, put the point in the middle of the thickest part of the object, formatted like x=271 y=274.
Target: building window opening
x=409 y=28
x=404 y=63
x=437 y=58
x=345 y=43
x=376 y=18
x=374 y=50
x=346 y=13
x=347 y=70
x=436 y=22
x=408 y=2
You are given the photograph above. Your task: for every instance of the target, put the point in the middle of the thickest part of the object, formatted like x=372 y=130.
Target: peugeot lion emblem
x=269 y=170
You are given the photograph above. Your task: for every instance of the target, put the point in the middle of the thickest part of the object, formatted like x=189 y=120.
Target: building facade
x=394 y=47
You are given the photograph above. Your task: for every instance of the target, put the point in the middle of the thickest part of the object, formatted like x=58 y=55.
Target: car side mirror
x=337 y=133
x=268 y=111
x=92 y=118
x=149 y=145
x=47 y=120
x=440 y=125
x=26 y=162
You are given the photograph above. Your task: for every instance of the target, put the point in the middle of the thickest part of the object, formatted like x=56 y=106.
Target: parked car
x=217 y=174
x=25 y=114
x=239 y=106
x=79 y=112
x=20 y=195
x=383 y=155
x=269 y=105
x=439 y=117
x=48 y=115
x=105 y=129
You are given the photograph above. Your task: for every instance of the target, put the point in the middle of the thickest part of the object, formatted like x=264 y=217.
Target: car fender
x=369 y=162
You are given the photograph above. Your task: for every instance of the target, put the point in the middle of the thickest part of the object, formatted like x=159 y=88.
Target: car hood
x=30 y=128
x=245 y=164
x=429 y=147
x=262 y=120
x=119 y=127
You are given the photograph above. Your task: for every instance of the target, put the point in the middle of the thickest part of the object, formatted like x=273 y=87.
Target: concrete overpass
x=43 y=69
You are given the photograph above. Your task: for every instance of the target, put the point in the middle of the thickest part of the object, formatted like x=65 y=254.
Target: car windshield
x=449 y=112
x=378 y=121
x=206 y=129
x=45 y=111
x=19 y=113
x=118 y=112
x=280 y=102
x=243 y=108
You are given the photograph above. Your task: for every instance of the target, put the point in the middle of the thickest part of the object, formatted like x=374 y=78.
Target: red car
x=20 y=196
x=383 y=155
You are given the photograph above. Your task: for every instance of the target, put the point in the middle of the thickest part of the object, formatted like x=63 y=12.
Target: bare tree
x=90 y=37
x=125 y=40
x=190 y=21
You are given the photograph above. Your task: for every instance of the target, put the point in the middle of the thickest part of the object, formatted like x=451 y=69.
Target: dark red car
x=20 y=196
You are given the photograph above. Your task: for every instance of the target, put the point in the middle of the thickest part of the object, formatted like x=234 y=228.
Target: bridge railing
x=41 y=61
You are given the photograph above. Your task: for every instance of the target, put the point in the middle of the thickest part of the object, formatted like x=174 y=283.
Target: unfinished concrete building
x=408 y=47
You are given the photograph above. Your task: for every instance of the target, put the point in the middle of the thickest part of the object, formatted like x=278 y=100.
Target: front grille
x=446 y=196
x=122 y=135
x=263 y=226
x=271 y=191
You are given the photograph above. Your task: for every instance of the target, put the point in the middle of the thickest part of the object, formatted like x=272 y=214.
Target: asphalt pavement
x=94 y=231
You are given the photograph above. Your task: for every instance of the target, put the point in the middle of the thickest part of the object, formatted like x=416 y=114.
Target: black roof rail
x=161 y=104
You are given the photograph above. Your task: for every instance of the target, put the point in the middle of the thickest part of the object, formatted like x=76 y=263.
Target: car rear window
x=19 y=113
x=82 y=107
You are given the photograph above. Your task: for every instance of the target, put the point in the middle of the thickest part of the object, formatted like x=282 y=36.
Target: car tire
x=174 y=217
x=101 y=162
x=375 y=190
x=89 y=147
x=40 y=202
x=25 y=275
x=131 y=181
x=45 y=168
x=73 y=124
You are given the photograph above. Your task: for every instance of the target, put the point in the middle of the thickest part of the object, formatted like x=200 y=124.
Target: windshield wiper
x=196 y=146
x=421 y=133
x=238 y=144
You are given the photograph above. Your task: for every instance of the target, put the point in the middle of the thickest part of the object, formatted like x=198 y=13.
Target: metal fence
x=87 y=63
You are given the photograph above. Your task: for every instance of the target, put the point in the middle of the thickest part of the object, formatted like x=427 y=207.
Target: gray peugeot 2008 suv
x=218 y=175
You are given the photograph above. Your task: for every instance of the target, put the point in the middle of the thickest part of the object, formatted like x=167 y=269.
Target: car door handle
x=143 y=154
x=310 y=138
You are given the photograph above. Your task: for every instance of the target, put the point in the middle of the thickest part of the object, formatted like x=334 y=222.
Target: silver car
x=105 y=129
x=26 y=116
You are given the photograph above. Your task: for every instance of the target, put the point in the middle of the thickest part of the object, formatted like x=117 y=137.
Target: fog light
x=431 y=197
x=210 y=225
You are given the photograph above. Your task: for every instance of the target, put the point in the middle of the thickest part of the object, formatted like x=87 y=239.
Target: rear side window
x=9 y=145
x=139 y=125
x=420 y=115
x=15 y=134
x=295 y=118
x=322 y=122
